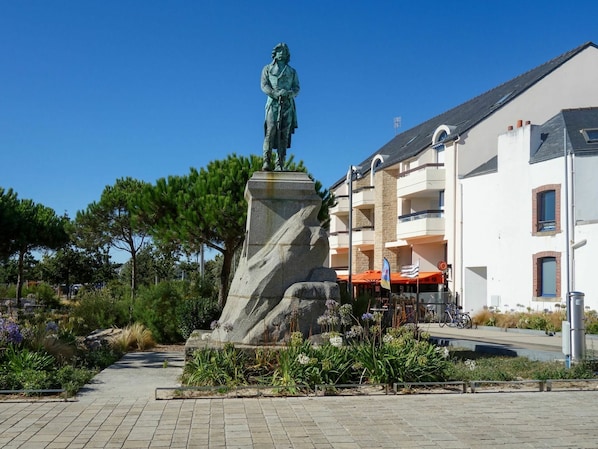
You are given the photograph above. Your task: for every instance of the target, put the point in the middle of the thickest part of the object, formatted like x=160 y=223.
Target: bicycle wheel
x=466 y=321
x=445 y=319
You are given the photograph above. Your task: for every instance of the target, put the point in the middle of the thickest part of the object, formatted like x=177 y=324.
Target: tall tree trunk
x=227 y=260
x=20 y=270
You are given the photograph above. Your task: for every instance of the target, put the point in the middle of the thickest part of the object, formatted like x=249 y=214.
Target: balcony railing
x=339 y=239
x=342 y=205
x=363 y=236
x=426 y=223
x=425 y=178
x=363 y=197
x=422 y=214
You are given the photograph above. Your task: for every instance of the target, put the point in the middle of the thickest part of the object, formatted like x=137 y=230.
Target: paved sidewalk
x=136 y=375
x=118 y=411
x=536 y=345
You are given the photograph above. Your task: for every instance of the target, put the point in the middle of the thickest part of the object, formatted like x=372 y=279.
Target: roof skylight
x=591 y=135
x=502 y=99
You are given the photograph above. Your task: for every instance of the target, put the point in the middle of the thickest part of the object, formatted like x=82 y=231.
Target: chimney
x=519 y=123
x=528 y=122
x=510 y=128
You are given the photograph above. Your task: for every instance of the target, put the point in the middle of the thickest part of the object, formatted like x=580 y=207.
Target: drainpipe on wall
x=457 y=267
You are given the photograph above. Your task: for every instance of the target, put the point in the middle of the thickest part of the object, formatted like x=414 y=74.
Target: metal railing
x=430 y=213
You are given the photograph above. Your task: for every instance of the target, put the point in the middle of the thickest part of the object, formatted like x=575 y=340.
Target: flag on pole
x=385 y=279
x=410 y=271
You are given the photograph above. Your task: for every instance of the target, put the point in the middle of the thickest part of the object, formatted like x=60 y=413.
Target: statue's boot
x=281 y=154
x=267 y=157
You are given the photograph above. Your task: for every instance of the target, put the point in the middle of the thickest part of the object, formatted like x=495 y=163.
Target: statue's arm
x=295 y=85
x=265 y=84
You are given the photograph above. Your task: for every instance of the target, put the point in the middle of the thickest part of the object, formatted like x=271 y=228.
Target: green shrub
x=71 y=379
x=195 y=314
x=100 y=358
x=98 y=309
x=300 y=363
x=46 y=295
x=156 y=307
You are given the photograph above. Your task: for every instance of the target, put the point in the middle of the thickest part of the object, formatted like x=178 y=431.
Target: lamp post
x=353 y=171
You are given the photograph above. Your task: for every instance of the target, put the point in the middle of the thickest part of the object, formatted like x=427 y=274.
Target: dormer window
x=440 y=135
x=591 y=135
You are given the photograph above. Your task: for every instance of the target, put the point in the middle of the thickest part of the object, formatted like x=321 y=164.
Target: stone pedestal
x=272 y=199
x=280 y=283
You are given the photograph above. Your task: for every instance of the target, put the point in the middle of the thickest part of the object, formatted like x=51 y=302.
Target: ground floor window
x=547 y=280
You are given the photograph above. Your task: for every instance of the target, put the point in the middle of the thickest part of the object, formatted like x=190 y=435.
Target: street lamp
x=354 y=171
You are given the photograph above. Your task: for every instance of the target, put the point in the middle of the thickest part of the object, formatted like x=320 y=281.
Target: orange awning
x=373 y=277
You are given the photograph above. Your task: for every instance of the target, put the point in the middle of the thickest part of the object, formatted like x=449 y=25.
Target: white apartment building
x=524 y=207
x=408 y=198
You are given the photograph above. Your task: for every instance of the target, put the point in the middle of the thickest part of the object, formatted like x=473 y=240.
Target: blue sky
x=92 y=91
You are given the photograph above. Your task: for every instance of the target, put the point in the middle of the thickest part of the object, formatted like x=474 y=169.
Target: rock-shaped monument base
x=280 y=284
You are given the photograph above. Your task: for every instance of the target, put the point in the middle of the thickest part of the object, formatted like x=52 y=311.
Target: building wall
x=498 y=212
x=572 y=85
x=491 y=199
x=385 y=218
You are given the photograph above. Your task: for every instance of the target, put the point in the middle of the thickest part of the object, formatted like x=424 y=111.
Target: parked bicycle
x=454 y=317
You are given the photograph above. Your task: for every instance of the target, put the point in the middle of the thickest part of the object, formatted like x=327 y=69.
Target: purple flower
x=51 y=327
x=10 y=332
x=367 y=317
x=214 y=325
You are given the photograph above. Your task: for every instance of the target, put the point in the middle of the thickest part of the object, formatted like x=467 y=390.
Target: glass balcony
x=426 y=178
x=426 y=223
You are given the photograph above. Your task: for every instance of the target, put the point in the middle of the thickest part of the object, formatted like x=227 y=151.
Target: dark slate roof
x=574 y=120
x=551 y=136
x=462 y=118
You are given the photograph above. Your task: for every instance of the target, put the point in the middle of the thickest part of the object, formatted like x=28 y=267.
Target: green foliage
x=216 y=367
x=303 y=364
x=156 y=307
x=208 y=207
x=9 y=221
x=71 y=378
x=112 y=221
x=402 y=358
x=71 y=265
x=46 y=295
x=99 y=358
x=98 y=309
x=468 y=366
x=17 y=360
x=196 y=314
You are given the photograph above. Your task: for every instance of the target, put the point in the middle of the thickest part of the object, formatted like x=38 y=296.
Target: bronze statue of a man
x=281 y=84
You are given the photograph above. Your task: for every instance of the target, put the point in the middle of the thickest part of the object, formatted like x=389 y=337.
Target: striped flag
x=410 y=271
x=385 y=279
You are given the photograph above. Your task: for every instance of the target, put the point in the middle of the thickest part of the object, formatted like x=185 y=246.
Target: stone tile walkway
x=118 y=411
x=507 y=420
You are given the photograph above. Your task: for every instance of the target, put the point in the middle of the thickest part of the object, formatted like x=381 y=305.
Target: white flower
x=388 y=338
x=470 y=364
x=336 y=341
x=444 y=351
x=303 y=359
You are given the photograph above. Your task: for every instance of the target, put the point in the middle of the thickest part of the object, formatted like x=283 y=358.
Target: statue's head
x=281 y=52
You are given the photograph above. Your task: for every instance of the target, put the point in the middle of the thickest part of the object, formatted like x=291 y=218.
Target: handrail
x=421 y=167
x=430 y=213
